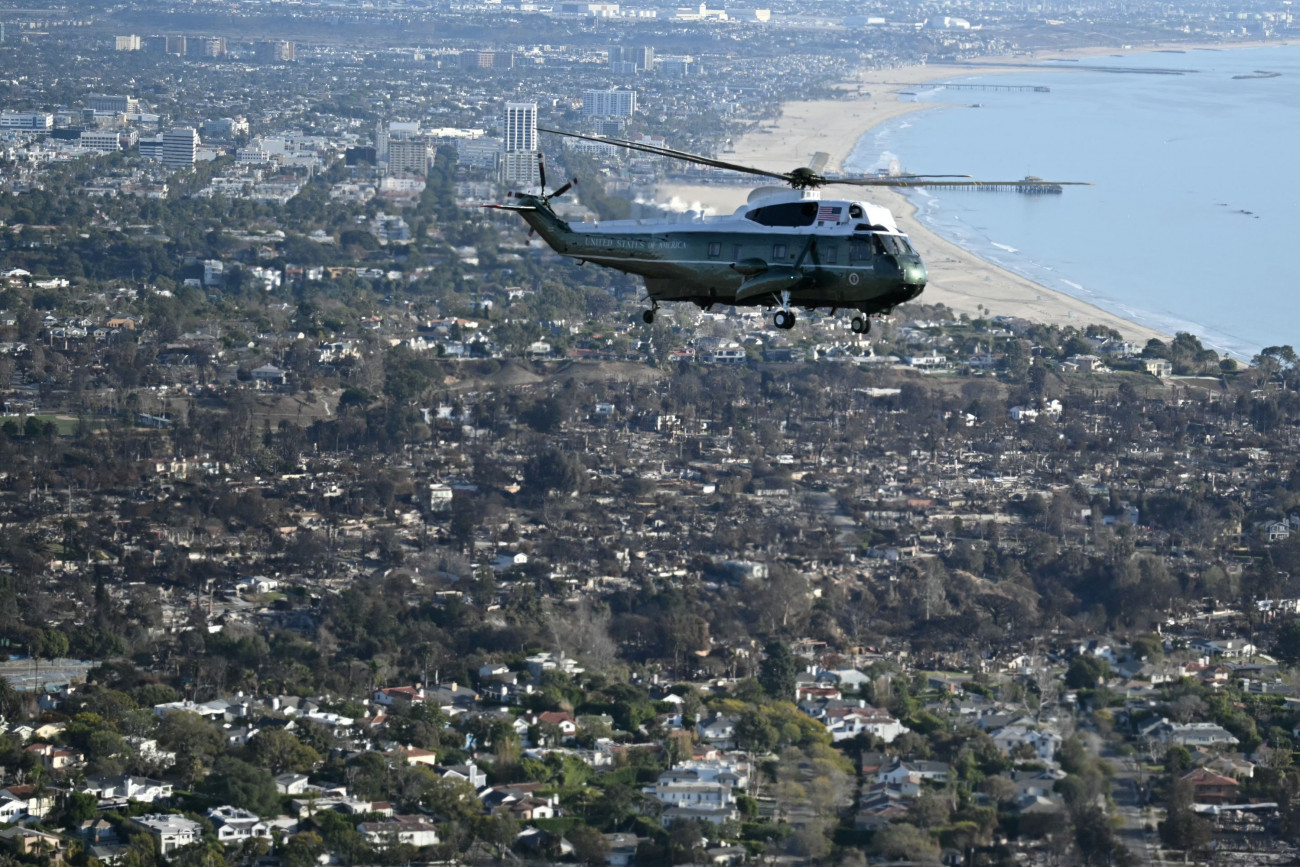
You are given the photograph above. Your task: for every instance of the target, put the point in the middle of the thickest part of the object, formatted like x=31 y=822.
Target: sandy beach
x=957 y=278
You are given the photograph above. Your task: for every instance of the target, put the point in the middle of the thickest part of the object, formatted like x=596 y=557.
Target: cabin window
x=715 y=250
x=785 y=214
x=778 y=252
x=860 y=251
x=735 y=253
x=831 y=255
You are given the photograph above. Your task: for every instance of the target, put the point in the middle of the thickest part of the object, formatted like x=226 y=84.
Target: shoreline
x=958 y=278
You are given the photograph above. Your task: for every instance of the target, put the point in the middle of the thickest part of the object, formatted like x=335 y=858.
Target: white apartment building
x=104 y=140
x=180 y=146
x=408 y=157
x=609 y=103
x=39 y=121
x=520 y=127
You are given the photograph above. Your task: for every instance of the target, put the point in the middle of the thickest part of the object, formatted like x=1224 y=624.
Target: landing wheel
x=648 y=317
x=784 y=319
x=861 y=325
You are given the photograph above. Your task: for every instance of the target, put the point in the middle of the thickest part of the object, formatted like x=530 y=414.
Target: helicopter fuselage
x=784 y=248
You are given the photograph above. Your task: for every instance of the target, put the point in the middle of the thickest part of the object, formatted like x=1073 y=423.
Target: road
x=1125 y=790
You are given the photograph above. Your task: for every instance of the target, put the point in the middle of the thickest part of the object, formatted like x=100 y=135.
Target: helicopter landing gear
x=648 y=317
x=785 y=317
x=860 y=325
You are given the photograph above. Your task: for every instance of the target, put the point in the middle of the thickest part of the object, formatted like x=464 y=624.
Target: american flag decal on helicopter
x=829 y=213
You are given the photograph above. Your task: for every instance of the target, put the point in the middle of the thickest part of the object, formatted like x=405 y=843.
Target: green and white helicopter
x=786 y=247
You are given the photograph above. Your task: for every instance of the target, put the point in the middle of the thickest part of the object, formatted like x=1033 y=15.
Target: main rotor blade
x=922 y=182
x=804 y=177
x=685 y=156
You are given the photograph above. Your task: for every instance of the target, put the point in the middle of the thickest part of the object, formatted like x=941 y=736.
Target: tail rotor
x=542 y=199
x=541 y=176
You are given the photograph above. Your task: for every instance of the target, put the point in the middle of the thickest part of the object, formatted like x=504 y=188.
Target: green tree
x=452 y=800
x=901 y=840
x=195 y=741
x=1094 y=834
x=755 y=732
x=52 y=644
x=778 y=671
x=79 y=807
x=589 y=845
x=237 y=782
x=1085 y=672
x=302 y=849
x=1287 y=645
x=1182 y=828
x=280 y=752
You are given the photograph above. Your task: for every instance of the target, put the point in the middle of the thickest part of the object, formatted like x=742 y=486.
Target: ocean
x=1194 y=220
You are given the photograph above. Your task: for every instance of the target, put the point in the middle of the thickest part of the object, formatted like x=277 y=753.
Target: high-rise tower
x=519 y=155
x=521 y=127
x=180 y=147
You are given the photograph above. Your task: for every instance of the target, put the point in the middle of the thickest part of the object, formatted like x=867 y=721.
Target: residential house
x=1043 y=743
x=1211 y=788
x=849 y=722
x=469 y=772
x=916 y=770
x=529 y=809
x=703 y=814
x=234 y=825
x=24 y=800
x=1158 y=367
x=622 y=849
x=1232 y=766
x=693 y=794
x=416 y=756
x=1199 y=734
x=28 y=843
x=291 y=784
x=720 y=731
x=170 y=832
x=1228 y=648
x=410 y=830
x=1036 y=784
x=542 y=662
x=120 y=790
x=398 y=696
x=56 y=758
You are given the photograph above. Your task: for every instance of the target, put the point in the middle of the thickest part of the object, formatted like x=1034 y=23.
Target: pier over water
x=1029 y=186
x=1023 y=88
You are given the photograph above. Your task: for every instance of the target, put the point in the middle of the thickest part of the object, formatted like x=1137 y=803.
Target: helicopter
x=786 y=247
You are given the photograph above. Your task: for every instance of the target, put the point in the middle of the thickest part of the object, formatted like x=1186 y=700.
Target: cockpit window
x=785 y=214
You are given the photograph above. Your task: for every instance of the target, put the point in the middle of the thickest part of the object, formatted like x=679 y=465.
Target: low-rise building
x=170 y=832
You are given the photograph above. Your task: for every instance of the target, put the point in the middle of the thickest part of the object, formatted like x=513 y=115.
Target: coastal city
x=343 y=522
